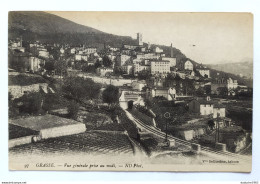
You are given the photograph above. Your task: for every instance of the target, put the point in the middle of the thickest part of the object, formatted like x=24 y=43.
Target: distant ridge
x=49 y=28
x=241 y=68
x=42 y=22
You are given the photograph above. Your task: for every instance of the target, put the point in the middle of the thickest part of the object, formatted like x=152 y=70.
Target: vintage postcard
x=130 y=91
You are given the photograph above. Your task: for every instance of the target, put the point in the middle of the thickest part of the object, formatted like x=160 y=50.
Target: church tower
x=139 y=39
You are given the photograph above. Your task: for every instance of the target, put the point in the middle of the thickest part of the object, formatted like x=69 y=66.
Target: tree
x=118 y=71
x=111 y=94
x=211 y=124
x=89 y=69
x=55 y=52
x=80 y=89
x=188 y=86
x=148 y=103
x=31 y=103
x=12 y=110
x=97 y=64
x=200 y=91
x=170 y=80
x=49 y=65
x=107 y=61
x=207 y=89
x=223 y=91
x=60 y=66
x=144 y=75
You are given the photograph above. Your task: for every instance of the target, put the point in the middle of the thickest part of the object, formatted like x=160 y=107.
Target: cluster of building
x=32 y=56
x=28 y=58
x=129 y=60
x=134 y=59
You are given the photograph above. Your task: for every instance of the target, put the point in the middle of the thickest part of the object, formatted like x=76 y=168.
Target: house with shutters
x=201 y=106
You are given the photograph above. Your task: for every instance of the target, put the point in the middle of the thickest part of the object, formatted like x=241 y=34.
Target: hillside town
x=139 y=91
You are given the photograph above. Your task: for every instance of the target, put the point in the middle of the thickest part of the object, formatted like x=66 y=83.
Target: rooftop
x=38 y=123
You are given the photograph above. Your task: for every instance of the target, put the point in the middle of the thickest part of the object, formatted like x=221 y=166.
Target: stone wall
x=191 y=134
x=18 y=91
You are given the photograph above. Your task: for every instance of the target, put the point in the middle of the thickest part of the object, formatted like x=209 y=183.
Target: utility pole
x=167 y=116
x=218 y=126
x=217 y=129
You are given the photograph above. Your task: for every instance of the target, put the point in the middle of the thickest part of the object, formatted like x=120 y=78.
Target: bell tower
x=139 y=39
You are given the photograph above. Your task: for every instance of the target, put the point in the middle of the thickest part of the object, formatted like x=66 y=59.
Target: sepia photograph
x=130 y=91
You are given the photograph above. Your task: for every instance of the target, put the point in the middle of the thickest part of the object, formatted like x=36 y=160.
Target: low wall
x=221 y=147
x=49 y=133
x=103 y=80
x=62 y=131
x=196 y=147
x=191 y=134
x=20 y=141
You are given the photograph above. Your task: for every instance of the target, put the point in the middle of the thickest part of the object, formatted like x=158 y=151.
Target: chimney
x=208 y=98
x=171 y=51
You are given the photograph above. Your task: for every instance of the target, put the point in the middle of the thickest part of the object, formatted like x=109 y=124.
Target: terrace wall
x=18 y=91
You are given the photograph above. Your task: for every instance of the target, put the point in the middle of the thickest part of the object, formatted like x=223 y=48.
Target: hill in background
x=242 y=68
x=49 y=28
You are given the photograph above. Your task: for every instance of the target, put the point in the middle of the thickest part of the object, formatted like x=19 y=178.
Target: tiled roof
x=217 y=105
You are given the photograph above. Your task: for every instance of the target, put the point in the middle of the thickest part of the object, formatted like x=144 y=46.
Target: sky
x=208 y=38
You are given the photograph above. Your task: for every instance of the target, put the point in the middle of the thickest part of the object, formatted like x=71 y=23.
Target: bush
x=24 y=80
x=12 y=110
x=73 y=109
x=111 y=94
x=31 y=103
x=79 y=88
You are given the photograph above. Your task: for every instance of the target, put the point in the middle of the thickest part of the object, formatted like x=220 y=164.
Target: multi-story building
x=188 y=65
x=168 y=93
x=158 y=50
x=223 y=84
x=172 y=61
x=90 y=50
x=44 y=53
x=122 y=59
x=160 y=67
x=78 y=57
x=204 y=71
x=35 y=64
x=138 y=85
x=103 y=71
x=72 y=50
x=139 y=67
x=201 y=106
x=127 y=69
x=130 y=47
x=62 y=50
x=232 y=84
x=84 y=57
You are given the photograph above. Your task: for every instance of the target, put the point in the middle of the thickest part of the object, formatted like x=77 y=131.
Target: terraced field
x=91 y=142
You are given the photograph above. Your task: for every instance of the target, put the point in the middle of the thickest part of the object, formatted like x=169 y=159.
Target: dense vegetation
x=24 y=80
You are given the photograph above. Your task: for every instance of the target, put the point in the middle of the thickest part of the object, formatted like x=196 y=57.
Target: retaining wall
x=20 y=141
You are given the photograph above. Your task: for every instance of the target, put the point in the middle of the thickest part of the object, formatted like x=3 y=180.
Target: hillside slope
x=241 y=68
x=41 y=22
x=49 y=28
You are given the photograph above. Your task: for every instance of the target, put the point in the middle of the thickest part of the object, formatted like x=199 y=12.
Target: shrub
x=31 y=103
x=73 y=109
